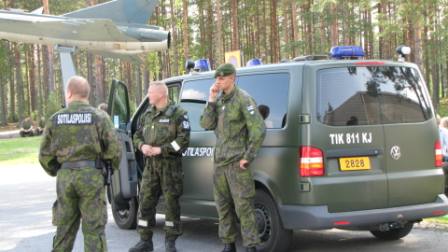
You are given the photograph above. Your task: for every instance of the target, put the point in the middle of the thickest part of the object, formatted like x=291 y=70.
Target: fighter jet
x=117 y=27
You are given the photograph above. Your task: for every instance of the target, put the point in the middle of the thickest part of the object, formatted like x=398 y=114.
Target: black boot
x=229 y=247
x=170 y=245
x=142 y=246
x=251 y=249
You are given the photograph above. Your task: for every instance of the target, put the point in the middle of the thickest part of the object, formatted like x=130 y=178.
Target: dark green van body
x=374 y=111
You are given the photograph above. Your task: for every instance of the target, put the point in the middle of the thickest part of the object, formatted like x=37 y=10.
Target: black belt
x=79 y=164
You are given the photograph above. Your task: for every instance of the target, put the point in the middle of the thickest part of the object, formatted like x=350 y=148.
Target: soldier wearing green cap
x=239 y=130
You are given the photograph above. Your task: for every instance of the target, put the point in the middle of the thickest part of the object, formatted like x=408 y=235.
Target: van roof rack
x=311 y=57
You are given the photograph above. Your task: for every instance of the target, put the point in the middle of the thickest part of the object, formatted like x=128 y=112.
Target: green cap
x=224 y=70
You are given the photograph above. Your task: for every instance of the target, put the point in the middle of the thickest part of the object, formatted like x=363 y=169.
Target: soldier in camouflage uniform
x=240 y=131
x=162 y=136
x=74 y=139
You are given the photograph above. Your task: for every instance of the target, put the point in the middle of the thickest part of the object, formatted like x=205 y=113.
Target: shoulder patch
x=251 y=109
x=84 y=118
x=186 y=124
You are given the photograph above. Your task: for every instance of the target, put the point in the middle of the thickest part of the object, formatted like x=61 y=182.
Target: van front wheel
x=125 y=216
x=270 y=229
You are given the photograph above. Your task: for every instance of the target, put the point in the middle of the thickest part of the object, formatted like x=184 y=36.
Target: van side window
x=270 y=92
x=371 y=95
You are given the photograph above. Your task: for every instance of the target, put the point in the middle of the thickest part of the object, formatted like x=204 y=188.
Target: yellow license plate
x=354 y=163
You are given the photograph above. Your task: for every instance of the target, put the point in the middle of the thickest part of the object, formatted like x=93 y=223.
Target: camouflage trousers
x=80 y=196
x=160 y=177
x=234 y=192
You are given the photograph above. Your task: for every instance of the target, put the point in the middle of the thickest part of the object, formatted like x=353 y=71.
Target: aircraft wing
x=68 y=29
x=117 y=27
x=119 y=11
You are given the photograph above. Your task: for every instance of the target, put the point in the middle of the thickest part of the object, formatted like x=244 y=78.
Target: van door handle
x=353 y=152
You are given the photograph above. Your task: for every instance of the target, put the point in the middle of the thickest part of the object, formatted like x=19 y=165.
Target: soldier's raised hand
x=214 y=90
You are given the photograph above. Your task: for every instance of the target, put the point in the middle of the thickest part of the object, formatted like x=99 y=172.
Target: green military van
x=350 y=144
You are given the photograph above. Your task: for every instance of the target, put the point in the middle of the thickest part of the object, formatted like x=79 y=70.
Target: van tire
x=272 y=234
x=395 y=233
x=126 y=217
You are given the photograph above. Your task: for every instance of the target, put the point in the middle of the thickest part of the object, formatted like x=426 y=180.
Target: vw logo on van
x=395 y=152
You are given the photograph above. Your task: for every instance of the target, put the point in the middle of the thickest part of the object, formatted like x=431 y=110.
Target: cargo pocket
x=245 y=183
x=104 y=215
x=178 y=179
x=55 y=217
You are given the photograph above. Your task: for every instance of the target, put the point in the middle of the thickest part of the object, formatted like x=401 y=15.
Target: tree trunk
x=3 y=84
x=294 y=29
x=32 y=78
x=235 y=32
x=175 y=61
x=47 y=52
x=274 y=33
x=40 y=87
x=94 y=72
x=26 y=84
x=185 y=30
x=415 y=33
x=19 y=84
x=138 y=83
x=334 y=27
x=426 y=52
x=201 y=28
x=219 y=39
x=166 y=66
x=91 y=77
x=146 y=80
x=128 y=80
x=12 y=87
x=435 y=69
x=99 y=79
x=285 y=23
x=308 y=26
x=209 y=32
x=3 y=101
x=264 y=35
x=381 y=17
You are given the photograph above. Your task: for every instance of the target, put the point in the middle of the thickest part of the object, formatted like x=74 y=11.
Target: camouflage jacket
x=78 y=132
x=168 y=129
x=238 y=125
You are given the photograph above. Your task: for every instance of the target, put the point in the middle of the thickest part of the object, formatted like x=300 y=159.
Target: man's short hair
x=79 y=86
x=160 y=84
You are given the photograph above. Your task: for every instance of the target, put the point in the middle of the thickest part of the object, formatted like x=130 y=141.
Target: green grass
x=19 y=150
x=440 y=220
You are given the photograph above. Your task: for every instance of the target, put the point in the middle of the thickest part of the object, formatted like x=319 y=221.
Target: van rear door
x=411 y=135
x=349 y=133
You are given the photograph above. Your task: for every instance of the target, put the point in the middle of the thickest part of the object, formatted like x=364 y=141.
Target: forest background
x=30 y=75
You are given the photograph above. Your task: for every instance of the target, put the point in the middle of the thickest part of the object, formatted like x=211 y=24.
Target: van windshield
x=371 y=95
